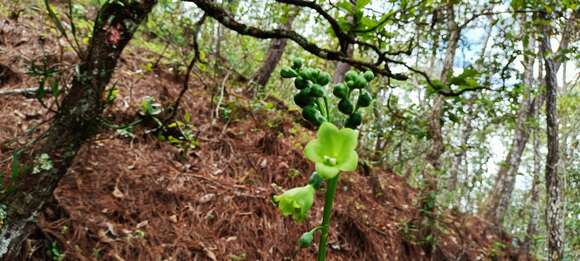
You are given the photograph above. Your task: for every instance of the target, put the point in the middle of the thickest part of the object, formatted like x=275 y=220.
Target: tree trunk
x=433 y=157
x=274 y=54
x=500 y=198
x=435 y=126
x=534 y=199
x=460 y=157
x=554 y=184
x=467 y=122
x=342 y=68
x=76 y=122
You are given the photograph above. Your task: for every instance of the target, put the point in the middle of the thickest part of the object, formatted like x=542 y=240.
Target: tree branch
x=230 y=22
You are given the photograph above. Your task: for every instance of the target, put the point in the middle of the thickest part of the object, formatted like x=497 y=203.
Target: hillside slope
x=138 y=198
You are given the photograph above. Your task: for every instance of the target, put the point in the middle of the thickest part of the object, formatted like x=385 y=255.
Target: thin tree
x=554 y=183
x=500 y=198
x=433 y=157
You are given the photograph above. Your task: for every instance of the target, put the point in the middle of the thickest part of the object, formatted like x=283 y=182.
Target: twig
x=220 y=99
x=28 y=92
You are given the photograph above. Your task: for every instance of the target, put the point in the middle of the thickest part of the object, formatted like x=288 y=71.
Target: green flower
x=296 y=202
x=333 y=150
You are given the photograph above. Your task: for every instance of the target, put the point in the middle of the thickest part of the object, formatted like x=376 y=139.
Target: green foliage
x=55 y=252
x=42 y=163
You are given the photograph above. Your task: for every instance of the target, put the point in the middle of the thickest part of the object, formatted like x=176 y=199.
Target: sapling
x=333 y=150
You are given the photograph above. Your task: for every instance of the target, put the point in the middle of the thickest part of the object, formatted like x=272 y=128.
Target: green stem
x=327 y=109
x=328 y=200
x=319 y=105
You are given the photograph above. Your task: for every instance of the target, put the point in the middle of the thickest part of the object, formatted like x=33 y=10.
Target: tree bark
x=341 y=67
x=76 y=122
x=274 y=54
x=554 y=183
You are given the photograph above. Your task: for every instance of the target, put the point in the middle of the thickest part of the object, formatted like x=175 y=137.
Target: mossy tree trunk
x=75 y=123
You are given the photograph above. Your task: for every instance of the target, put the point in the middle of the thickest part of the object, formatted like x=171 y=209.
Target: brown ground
x=135 y=199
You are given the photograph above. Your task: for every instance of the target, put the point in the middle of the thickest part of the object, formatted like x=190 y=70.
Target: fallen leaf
x=206 y=198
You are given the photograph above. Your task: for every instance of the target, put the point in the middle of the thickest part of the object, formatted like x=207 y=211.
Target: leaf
x=15 y=165
x=345 y=5
x=360 y=4
x=54 y=89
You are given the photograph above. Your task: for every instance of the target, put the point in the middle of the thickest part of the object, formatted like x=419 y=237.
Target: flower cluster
x=333 y=150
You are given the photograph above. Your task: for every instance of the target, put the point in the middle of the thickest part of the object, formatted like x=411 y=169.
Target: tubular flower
x=333 y=150
x=296 y=202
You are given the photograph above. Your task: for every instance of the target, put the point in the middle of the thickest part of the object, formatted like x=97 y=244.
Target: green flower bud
x=315 y=180
x=323 y=78
x=340 y=91
x=360 y=82
x=350 y=75
x=306 y=239
x=364 y=99
x=369 y=75
x=307 y=90
x=354 y=120
x=309 y=113
x=350 y=84
x=317 y=91
x=300 y=83
x=297 y=63
x=303 y=100
x=309 y=74
x=287 y=72
x=304 y=73
x=296 y=202
x=345 y=106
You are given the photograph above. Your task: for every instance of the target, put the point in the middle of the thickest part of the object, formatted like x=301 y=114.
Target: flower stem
x=327 y=109
x=328 y=200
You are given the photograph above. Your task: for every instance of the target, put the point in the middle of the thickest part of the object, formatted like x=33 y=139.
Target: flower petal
x=346 y=141
x=296 y=202
x=312 y=151
x=326 y=138
x=349 y=163
x=325 y=171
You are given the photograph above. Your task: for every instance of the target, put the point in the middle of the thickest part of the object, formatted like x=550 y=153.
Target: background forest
x=473 y=130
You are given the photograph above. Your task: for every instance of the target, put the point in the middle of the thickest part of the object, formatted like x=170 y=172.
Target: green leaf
x=54 y=89
x=15 y=165
x=360 y=4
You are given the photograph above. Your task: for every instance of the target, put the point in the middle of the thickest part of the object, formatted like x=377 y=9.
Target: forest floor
x=139 y=198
